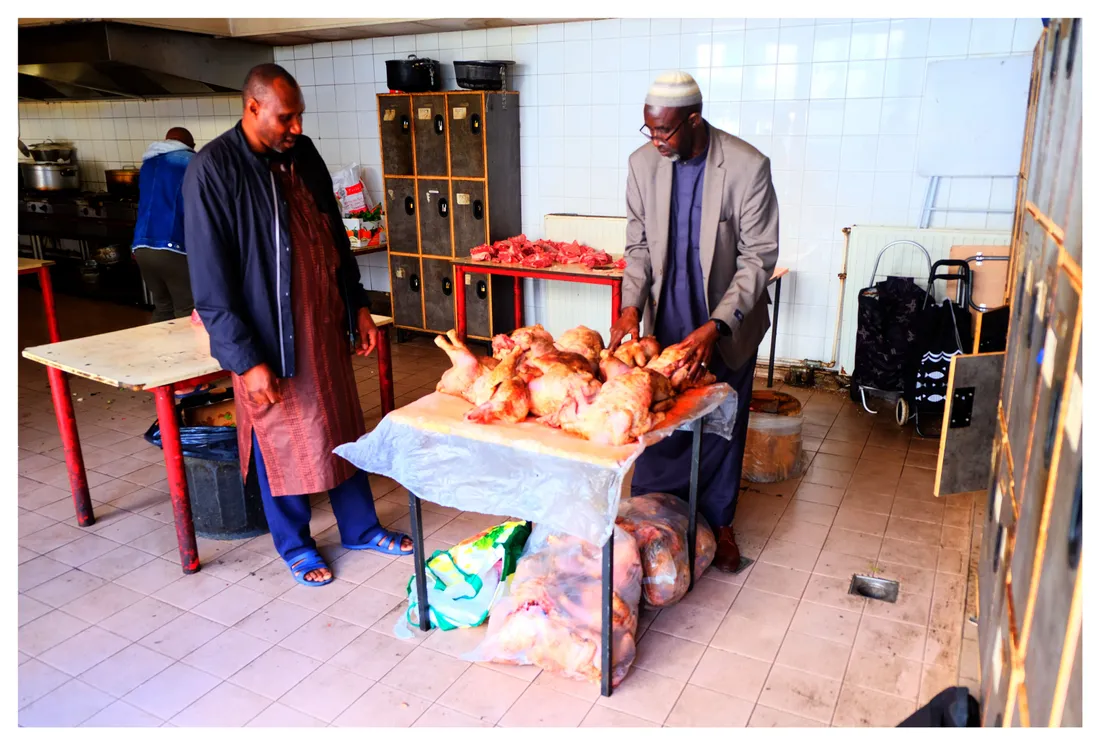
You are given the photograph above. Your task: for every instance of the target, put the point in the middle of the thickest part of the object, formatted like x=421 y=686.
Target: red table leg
x=70 y=440
x=616 y=301
x=519 y=303
x=460 y=302
x=47 y=300
x=177 y=477
x=385 y=370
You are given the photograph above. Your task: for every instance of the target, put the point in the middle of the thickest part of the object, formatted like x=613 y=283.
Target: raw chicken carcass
x=638 y=352
x=559 y=383
x=620 y=413
x=672 y=363
x=611 y=366
x=467 y=367
x=583 y=341
x=552 y=614
x=500 y=396
x=659 y=523
x=533 y=339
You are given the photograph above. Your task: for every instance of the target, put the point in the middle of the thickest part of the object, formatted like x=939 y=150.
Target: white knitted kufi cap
x=674 y=90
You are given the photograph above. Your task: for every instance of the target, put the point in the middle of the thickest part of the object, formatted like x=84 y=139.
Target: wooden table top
x=30 y=265
x=575 y=270
x=141 y=357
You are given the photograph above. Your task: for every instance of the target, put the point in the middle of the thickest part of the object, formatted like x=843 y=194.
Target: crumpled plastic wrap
x=566 y=495
x=773 y=448
x=551 y=613
x=659 y=524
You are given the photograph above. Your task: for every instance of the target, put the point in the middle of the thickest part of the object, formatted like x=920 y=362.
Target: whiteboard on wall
x=973 y=116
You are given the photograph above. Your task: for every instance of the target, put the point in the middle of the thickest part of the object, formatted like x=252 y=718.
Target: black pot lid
x=486 y=63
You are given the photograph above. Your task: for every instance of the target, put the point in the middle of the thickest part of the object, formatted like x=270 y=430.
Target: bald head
x=273 y=106
x=179 y=134
x=263 y=80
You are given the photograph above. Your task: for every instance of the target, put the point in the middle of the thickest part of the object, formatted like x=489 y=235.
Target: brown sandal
x=727 y=557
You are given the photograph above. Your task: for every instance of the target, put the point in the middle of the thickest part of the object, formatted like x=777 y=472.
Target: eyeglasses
x=651 y=135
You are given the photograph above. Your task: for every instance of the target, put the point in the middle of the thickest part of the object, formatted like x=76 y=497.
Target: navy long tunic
x=666 y=466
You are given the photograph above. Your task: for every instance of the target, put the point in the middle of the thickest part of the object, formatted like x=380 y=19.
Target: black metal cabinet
x=434 y=208
x=401 y=215
x=477 y=305
x=406 y=288
x=471 y=224
x=395 y=129
x=439 y=294
x=430 y=129
x=466 y=115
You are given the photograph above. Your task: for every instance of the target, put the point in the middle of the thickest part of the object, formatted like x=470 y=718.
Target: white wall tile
x=832 y=42
x=829 y=80
x=762 y=46
x=726 y=83
x=759 y=83
x=788 y=153
x=865 y=79
x=862 y=115
x=870 y=40
x=948 y=37
x=791 y=117
x=728 y=48
x=900 y=116
x=633 y=27
x=757 y=117
x=823 y=153
x=904 y=78
x=858 y=153
x=819 y=188
x=855 y=189
x=826 y=117
x=1026 y=34
x=796 y=45
x=605 y=55
x=991 y=35
x=909 y=38
x=664 y=53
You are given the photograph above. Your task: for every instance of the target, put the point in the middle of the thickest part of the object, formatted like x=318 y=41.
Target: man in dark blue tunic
x=702 y=242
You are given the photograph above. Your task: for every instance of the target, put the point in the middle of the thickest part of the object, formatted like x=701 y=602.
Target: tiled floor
x=111 y=633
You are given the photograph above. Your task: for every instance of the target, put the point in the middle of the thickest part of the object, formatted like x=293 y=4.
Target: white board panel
x=973 y=116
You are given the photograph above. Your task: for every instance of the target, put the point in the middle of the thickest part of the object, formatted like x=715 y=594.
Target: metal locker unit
x=1030 y=570
x=407 y=291
x=451 y=166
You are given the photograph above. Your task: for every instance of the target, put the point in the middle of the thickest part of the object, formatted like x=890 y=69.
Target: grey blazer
x=738 y=245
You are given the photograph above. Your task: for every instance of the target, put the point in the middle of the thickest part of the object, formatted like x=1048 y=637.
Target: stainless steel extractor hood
x=102 y=60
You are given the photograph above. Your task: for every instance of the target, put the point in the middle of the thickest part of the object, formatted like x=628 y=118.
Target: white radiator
x=864 y=245
x=569 y=304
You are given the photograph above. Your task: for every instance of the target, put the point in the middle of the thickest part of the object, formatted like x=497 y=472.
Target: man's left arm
x=758 y=250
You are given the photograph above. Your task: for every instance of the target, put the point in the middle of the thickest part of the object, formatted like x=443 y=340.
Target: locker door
x=471 y=221
x=395 y=128
x=477 y=305
x=405 y=288
x=401 y=209
x=434 y=206
x=439 y=295
x=430 y=126
x=467 y=133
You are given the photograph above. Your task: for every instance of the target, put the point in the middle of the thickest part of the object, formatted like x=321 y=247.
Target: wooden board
x=987 y=279
x=964 y=460
x=31 y=265
x=439 y=412
x=139 y=358
x=565 y=270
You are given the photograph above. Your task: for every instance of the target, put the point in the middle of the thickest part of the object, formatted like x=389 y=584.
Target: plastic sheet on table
x=527 y=470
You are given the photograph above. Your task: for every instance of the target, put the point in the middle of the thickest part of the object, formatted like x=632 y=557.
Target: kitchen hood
x=92 y=60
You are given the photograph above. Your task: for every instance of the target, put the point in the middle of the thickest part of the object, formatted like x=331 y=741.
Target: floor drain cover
x=874 y=588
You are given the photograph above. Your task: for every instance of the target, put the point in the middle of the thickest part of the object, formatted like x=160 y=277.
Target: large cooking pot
x=413 y=75
x=50 y=176
x=51 y=152
x=484 y=75
x=123 y=181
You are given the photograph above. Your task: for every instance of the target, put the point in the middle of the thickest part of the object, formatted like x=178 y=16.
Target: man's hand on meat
x=626 y=325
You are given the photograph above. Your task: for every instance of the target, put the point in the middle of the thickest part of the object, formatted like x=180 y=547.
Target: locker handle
x=1054 y=53
x=1074 y=30
x=479 y=209
x=406 y=127
x=448 y=286
x=475 y=125
x=414 y=283
x=1075 y=528
x=442 y=207
x=439 y=124
x=482 y=290
x=410 y=206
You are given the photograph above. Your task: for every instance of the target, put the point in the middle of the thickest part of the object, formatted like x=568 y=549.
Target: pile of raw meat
x=540 y=254
x=572 y=383
x=551 y=615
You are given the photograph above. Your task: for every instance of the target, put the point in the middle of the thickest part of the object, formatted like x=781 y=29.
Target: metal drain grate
x=874 y=588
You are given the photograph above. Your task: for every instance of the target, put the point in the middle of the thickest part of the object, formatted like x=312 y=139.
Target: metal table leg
x=460 y=301
x=616 y=301
x=417 y=530
x=385 y=370
x=518 y=308
x=177 y=477
x=693 y=496
x=608 y=590
x=70 y=440
x=775 y=331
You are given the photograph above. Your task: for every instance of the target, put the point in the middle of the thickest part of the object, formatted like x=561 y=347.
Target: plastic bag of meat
x=659 y=524
x=551 y=613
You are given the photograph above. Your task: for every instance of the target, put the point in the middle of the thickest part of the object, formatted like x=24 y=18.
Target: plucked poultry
x=502 y=395
x=466 y=368
x=620 y=413
x=583 y=341
x=559 y=383
x=672 y=363
x=639 y=352
x=535 y=340
x=551 y=616
x=659 y=524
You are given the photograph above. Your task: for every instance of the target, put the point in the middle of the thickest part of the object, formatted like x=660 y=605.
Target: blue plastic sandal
x=383 y=541
x=306 y=562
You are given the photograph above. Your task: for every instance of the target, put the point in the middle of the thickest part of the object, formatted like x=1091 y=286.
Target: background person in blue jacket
x=158 y=236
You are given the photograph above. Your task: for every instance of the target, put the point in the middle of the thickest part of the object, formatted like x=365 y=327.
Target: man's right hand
x=260 y=384
x=626 y=325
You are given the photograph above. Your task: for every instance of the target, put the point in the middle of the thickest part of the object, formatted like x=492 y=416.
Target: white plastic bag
x=348 y=186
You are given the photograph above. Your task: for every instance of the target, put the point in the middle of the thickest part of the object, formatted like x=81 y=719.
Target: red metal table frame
x=164 y=393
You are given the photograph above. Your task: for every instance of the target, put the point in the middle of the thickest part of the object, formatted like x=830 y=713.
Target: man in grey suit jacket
x=701 y=244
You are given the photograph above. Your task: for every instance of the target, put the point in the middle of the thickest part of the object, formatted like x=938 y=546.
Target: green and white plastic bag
x=465 y=581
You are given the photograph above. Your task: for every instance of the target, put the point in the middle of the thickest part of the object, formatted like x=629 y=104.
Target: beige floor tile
x=823 y=622
x=39 y=571
x=318 y=598
x=364 y=606
x=48 y=631
x=541 y=706
x=862 y=707
x=830 y=496
x=826 y=477
x=645 y=695
x=800 y=693
x=383 y=706
x=327 y=692
x=275 y=621
x=273 y=580
x=440 y=716
x=584 y=690
x=225 y=706
x=868 y=501
x=82 y=550
x=30 y=609
x=126 y=670
x=777 y=579
x=235 y=565
x=921 y=556
x=730 y=674
x=372 y=655
x=148 y=577
x=36 y=679
x=182 y=635
x=483 y=694
x=668 y=656
x=891 y=638
x=52 y=537
x=227 y=653
x=833 y=593
x=762 y=716
x=886 y=673
x=232 y=605
x=84 y=651
x=909 y=608
x=101 y=603
x=700 y=707
x=275 y=672
x=66 y=706
x=456 y=642
x=408 y=674
x=810 y=512
x=190 y=590
x=793 y=555
x=712 y=594
x=128 y=528
x=912 y=509
x=911 y=579
x=169 y=692
x=140 y=619
x=864 y=545
x=65 y=588
x=942 y=648
x=278 y=715
x=814 y=655
x=322 y=637
x=934 y=680
x=122 y=714
x=688 y=622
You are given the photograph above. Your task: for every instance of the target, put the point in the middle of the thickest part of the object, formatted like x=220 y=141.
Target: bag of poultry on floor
x=659 y=524
x=465 y=581
x=551 y=613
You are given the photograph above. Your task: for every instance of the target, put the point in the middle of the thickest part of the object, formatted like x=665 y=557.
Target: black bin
x=223 y=508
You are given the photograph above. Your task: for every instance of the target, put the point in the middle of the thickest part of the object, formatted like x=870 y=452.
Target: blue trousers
x=666 y=466
x=288 y=516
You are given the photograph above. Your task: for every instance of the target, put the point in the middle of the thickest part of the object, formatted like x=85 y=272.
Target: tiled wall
x=835 y=103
